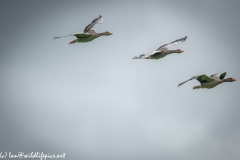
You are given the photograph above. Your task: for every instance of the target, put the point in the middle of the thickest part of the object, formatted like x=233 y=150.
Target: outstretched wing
x=63 y=36
x=94 y=24
x=81 y=35
x=194 y=77
x=201 y=78
x=152 y=55
x=78 y=35
x=166 y=46
x=220 y=75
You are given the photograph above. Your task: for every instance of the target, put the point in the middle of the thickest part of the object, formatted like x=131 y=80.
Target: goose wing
x=146 y=56
x=219 y=75
x=78 y=35
x=166 y=46
x=201 y=78
x=92 y=26
x=81 y=35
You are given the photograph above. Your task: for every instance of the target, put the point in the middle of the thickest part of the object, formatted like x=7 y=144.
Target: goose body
x=211 y=84
x=89 y=36
x=162 y=51
x=89 y=33
x=211 y=81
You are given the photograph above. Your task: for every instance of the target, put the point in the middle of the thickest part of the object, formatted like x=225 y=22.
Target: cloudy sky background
x=92 y=101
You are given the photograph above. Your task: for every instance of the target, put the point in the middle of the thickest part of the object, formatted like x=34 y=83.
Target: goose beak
x=110 y=33
x=233 y=79
x=181 y=51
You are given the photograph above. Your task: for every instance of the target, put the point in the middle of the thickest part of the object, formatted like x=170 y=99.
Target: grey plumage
x=166 y=46
x=89 y=33
x=78 y=35
x=162 y=51
x=94 y=24
x=211 y=81
x=219 y=75
x=201 y=78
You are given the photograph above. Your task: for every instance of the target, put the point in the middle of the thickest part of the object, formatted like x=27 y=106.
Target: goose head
x=179 y=51
x=107 y=33
x=229 y=80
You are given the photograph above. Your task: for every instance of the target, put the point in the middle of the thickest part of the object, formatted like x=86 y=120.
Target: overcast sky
x=93 y=101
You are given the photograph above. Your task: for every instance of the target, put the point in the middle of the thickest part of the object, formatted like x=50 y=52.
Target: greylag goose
x=162 y=51
x=89 y=33
x=211 y=81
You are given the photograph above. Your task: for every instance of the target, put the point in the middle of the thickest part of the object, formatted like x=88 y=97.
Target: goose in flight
x=211 y=81
x=162 y=51
x=89 y=33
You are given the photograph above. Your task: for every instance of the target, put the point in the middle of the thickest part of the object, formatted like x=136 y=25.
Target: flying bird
x=211 y=81
x=162 y=51
x=89 y=33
